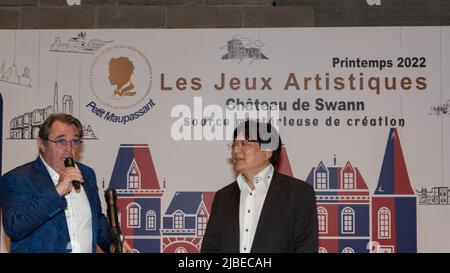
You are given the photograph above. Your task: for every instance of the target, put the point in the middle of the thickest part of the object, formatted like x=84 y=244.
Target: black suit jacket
x=288 y=221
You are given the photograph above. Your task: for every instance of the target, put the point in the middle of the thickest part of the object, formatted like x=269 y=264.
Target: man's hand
x=126 y=248
x=64 y=185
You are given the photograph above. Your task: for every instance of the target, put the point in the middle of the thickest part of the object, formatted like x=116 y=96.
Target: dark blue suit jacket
x=33 y=212
x=288 y=221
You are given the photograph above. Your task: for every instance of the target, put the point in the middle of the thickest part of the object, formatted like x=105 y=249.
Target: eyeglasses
x=62 y=143
x=242 y=144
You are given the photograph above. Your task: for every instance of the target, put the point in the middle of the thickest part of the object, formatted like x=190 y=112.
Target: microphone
x=69 y=162
x=111 y=198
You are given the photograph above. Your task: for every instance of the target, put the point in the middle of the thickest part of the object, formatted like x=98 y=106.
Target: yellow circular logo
x=121 y=77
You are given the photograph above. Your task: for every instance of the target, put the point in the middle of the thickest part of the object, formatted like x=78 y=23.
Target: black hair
x=263 y=133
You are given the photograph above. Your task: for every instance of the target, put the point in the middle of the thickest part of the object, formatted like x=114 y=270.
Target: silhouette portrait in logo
x=120 y=71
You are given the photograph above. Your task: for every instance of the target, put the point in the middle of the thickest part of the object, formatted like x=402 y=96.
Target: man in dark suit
x=263 y=210
x=42 y=211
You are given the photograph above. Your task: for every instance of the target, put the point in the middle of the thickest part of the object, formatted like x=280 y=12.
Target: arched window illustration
x=443 y=196
x=348 y=177
x=322 y=215
x=321 y=180
x=384 y=223
x=150 y=220
x=349 y=180
x=322 y=250
x=202 y=220
x=134 y=176
x=133 y=215
x=321 y=177
x=348 y=250
x=180 y=250
x=26 y=132
x=348 y=220
x=178 y=220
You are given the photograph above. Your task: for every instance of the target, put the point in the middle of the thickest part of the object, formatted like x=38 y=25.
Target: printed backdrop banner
x=362 y=112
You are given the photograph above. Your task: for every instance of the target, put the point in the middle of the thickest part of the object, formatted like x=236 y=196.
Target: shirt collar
x=53 y=174
x=262 y=179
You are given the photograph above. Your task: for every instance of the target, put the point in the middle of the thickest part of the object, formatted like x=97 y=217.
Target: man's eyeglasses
x=62 y=143
x=242 y=144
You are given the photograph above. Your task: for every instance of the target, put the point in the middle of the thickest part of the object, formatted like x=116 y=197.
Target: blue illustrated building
x=138 y=197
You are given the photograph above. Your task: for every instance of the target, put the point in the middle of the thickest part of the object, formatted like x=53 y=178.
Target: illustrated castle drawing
x=437 y=196
x=185 y=220
x=11 y=75
x=139 y=194
x=237 y=50
x=352 y=220
x=78 y=44
x=138 y=197
x=26 y=126
x=441 y=109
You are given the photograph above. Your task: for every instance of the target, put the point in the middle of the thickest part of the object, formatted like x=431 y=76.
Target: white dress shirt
x=250 y=205
x=78 y=216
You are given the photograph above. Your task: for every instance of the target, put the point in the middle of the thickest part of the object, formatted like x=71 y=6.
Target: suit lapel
x=86 y=185
x=43 y=181
x=235 y=197
x=43 y=178
x=269 y=203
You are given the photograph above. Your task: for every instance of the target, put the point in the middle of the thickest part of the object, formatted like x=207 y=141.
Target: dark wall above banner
x=221 y=13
